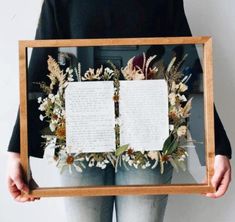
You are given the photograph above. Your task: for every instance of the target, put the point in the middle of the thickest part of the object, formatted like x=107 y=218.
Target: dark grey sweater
x=70 y=19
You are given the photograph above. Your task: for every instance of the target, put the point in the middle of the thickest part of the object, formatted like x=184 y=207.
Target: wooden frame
x=133 y=189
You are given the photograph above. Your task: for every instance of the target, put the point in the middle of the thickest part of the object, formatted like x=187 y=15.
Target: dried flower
x=60 y=132
x=138 y=68
x=115 y=98
x=91 y=74
x=182 y=131
x=153 y=155
x=172 y=98
x=182 y=87
x=70 y=159
x=186 y=109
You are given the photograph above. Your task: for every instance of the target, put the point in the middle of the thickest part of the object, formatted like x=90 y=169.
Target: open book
x=90 y=115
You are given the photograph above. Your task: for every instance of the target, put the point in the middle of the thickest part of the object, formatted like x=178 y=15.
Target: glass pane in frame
x=195 y=56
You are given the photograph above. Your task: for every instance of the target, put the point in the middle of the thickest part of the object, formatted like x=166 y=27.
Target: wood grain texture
x=112 y=42
x=121 y=190
x=209 y=109
x=23 y=111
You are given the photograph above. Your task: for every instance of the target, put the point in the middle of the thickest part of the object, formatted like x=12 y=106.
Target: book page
x=144 y=114
x=90 y=116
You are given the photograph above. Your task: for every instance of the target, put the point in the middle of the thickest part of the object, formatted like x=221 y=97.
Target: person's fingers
x=223 y=186
x=16 y=187
x=20 y=184
x=16 y=177
x=14 y=191
x=222 y=176
x=22 y=199
x=216 y=179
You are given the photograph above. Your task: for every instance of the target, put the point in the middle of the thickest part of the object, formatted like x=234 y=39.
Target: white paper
x=90 y=116
x=144 y=114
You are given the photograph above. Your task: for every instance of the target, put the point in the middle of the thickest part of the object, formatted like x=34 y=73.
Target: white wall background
x=18 y=20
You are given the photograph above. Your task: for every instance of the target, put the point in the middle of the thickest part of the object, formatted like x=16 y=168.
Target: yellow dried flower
x=60 y=132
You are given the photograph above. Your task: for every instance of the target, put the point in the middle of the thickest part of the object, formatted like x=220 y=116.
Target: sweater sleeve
x=181 y=28
x=48 y=28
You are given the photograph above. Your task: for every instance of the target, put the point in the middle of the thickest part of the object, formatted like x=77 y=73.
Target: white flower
x=171 y=127
x=70 y=79
x=108 y=73
x=126 y=157
x=106 y=161
x=69 y=70
x=91 y=162
x=41 y=117
x=52 y=126
x=108 y=70
x=51 y=97
x=182 y=131
x=130 y=162
x=135 y=165
x=147 y=164
x=43 y=106
x=68 y=160
x=101 y=165
x=39 y=99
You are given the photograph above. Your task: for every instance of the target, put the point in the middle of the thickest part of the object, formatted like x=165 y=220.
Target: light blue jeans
x=149 y=208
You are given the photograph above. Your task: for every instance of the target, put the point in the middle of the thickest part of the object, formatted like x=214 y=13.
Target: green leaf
x=167 y=143
x=121 y=149
x=170 y=145
x=173 y=146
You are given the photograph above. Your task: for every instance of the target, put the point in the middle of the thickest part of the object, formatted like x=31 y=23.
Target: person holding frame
x=63 y=19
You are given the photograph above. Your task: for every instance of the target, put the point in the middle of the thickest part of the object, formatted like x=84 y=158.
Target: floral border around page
x=52 y=108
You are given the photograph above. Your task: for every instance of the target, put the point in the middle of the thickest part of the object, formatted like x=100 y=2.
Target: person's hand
x=222 y=176
x=15 y=180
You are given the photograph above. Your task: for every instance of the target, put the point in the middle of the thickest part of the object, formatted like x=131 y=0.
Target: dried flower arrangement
x=52 y=107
